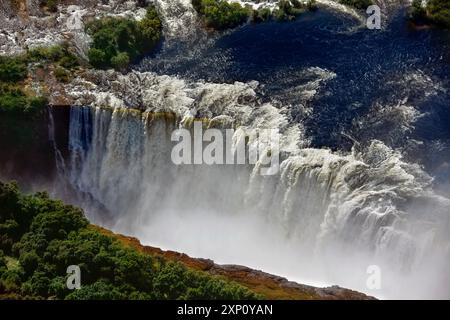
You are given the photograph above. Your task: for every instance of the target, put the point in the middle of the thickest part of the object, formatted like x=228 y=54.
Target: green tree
x=12 y=69
x=120 y=61
x=118 y=41
x=358 y=4
x=47 y=236
x=29 y=262
x=439 y=12
x=100 y=290
x=221 y=15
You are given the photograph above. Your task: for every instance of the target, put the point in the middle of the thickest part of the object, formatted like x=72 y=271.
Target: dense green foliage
x=358 y=4
x=64 y=62
x=418 y=13
x=439 y=12
x=220 y=15
x=119 y=41
x=288 y=10
x=436 y=12
x=13 y=100
x=58 y=54
x=40 y=238
x=14 y=71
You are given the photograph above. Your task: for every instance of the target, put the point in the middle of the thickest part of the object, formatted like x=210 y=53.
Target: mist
x=323 y=220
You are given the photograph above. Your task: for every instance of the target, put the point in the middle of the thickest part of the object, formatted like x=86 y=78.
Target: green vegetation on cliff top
x=358 y=4
x=14 y=71
x=23 y=102
x=221 y=15
x=435 y=12
x=40 y=238
x=119 y=41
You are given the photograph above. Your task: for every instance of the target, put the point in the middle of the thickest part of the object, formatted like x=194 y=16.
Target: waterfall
x=357 y=209
x=324 y=218
x=59 y=159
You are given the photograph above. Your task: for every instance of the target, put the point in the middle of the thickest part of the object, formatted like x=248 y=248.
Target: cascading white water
x=350 y=210
x=324 y=218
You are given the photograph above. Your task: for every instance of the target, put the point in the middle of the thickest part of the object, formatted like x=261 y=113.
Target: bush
x=118 y=41
x=288 y=10
x=11 y=281
x=14 y=101
x=58 y=54
x=439 y=12
x=358 y=4
x=261 y=15
x=61 y=74
x=120 y=61
x=38 y=285
x=100 y=290
x=221 y=15
x=29 y=262
x=436 y=12
x=417 y=12
x=12 y=69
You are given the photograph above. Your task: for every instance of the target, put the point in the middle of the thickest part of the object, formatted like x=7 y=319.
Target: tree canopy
x=41 y=237
x=119 y=41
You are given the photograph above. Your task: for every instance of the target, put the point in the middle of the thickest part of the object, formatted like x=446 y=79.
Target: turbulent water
x=359 y=114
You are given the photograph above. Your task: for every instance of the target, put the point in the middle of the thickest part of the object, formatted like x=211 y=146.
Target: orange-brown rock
x=268 y=285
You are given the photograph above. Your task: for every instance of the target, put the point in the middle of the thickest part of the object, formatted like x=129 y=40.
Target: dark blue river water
x=378 y=73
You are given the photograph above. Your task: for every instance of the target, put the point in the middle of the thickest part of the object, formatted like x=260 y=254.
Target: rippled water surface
x=398 y=68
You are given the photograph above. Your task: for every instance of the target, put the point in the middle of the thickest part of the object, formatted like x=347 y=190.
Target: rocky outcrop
x=25 y=24
x=270 y=286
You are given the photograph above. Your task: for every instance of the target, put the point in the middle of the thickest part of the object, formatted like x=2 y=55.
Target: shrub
x=358 y=4
x=12 y=69
x=58 y=54
x=288 y=10
x=439 y=12
x=29 y=262
x=261 y=15
x=418 y=13
x=100 y=290
x=119 y=41
x=14 y=101
x=435 y=12
x=11 y=281
x=221 y=15
x=120 y=61
x=61 y=74
x=38 y=285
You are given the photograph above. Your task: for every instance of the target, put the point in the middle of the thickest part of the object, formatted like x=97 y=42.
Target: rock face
x=270 y=286
x=30 y=159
